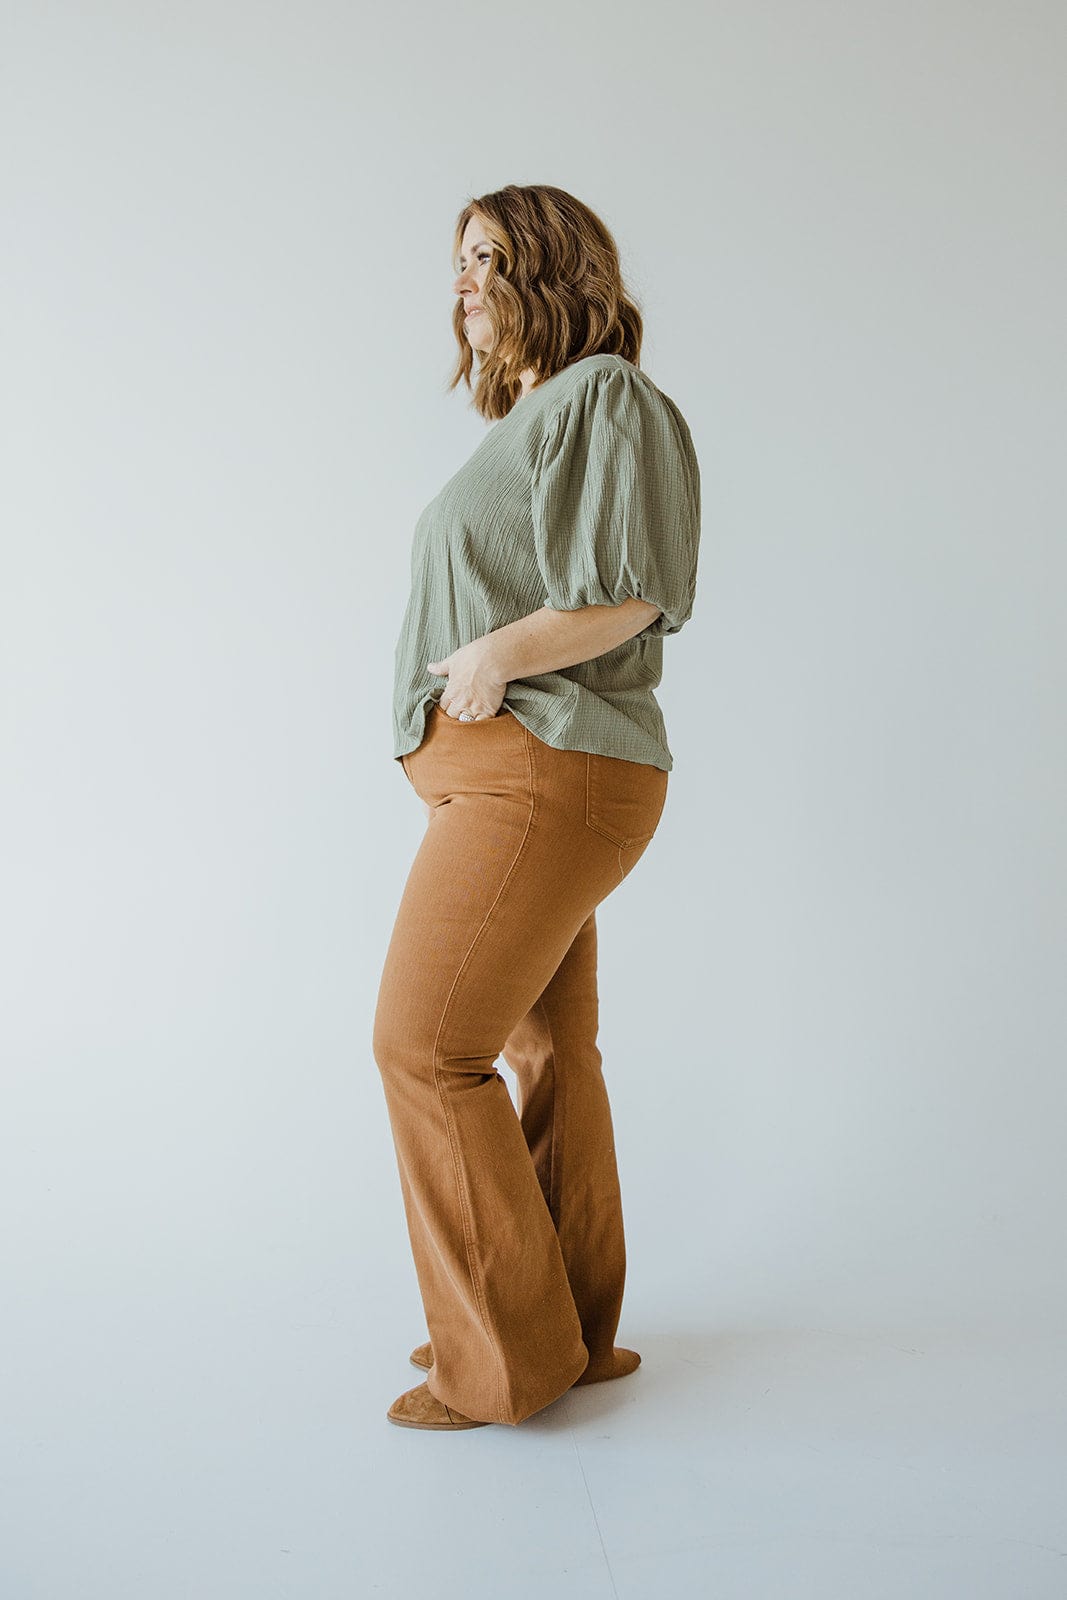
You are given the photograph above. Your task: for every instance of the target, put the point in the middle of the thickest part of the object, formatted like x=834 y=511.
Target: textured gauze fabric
x=587 y=492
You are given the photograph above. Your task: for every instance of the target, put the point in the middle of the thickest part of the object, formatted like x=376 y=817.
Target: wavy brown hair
x=553 y=292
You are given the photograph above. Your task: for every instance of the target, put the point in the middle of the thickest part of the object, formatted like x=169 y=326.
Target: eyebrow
x=482 y=244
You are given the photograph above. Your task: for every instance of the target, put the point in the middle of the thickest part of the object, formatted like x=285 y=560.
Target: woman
x=544 y=576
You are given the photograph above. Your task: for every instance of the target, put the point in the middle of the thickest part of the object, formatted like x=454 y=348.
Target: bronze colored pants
x=515 y=1217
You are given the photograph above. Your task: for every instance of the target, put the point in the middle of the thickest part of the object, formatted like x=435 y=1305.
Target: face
x=475 y=252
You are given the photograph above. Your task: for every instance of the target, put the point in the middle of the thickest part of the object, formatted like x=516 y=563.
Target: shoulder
x=605 y=406
x=614 y=389
x=594 y=373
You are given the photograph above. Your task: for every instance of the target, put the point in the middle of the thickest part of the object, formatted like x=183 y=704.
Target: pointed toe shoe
x=418 y=1408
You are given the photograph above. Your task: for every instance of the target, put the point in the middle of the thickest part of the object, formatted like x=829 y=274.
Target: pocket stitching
x=621 y=840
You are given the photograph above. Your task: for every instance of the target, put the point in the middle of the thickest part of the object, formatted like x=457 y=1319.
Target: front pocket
x=624 y=800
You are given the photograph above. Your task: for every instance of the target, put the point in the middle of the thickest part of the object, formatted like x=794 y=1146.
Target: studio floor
x=247 y=1454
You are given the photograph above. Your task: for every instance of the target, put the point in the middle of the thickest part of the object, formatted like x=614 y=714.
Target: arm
x=547 y=640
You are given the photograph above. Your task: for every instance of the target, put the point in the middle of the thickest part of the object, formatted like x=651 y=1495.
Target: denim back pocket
x=624 y=800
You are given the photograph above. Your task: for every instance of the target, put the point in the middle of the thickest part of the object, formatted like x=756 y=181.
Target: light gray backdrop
x=832 y=991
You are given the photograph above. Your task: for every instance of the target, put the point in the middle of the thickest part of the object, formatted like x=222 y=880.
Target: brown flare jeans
x=514 y=1215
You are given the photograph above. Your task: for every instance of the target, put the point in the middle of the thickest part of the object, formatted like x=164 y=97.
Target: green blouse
x=587 y=492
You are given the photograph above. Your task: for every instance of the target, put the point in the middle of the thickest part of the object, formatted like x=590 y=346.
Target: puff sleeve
x=616 y=500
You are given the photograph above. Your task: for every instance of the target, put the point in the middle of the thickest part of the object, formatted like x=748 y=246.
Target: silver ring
x=466 y=716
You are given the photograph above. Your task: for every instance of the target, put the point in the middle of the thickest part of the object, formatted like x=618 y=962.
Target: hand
x=473 y=684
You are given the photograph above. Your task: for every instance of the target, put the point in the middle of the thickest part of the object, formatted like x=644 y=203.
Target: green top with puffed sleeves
x=587 y=492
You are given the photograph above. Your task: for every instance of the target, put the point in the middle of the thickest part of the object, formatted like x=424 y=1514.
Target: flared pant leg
x=523 y=843
x=565 y=1115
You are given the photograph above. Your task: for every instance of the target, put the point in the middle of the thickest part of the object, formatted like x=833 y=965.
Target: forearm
x=547 y=640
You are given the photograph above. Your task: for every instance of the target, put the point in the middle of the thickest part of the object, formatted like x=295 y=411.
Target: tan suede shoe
x=418 y=1408
x=626 y=1361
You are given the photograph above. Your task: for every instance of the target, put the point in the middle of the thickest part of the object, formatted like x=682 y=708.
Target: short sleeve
x=616 y=500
